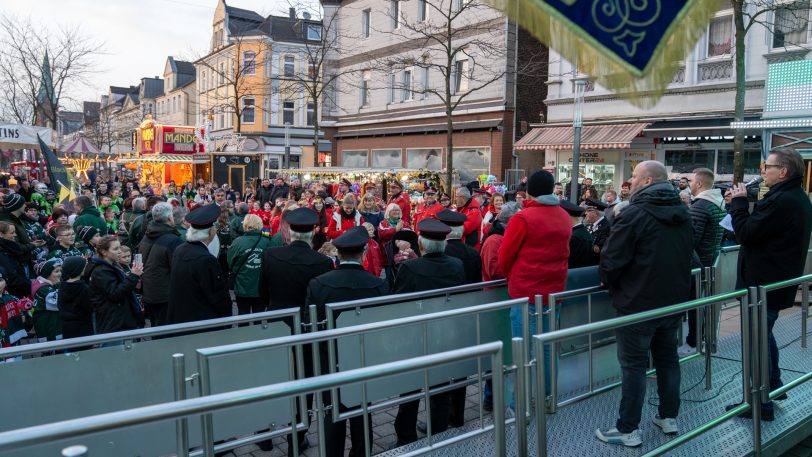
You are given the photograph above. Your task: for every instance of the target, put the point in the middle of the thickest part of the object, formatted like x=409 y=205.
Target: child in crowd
x=13 y=316
x=73 y=302
x=88 y=239
x=45 y=290
x=330 y=251
x=125 y=260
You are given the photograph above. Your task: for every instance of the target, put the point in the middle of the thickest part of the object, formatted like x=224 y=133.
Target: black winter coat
x=157 y=249
x=705 y=218
x=264 y=194
x=112 y=295
x=471 y=260
x=432 y=271
x=346 y=282
x=286 y=272
x=646 y=261
x=24 y=242
x=774 y=239
x=279 y=191
x=75 y=309
x=581 y=253
x=198 y=289
x=17 y=282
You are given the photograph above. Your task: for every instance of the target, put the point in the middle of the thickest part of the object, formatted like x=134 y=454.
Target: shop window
x=471 y=162
x=689 y=160
x=248 y=110
x=790 y=26
x=427 y=159
x=355 y=159
x=288 y=111
x=249 y=62
x=752 y=162
x=311 y=113
x=387 y=158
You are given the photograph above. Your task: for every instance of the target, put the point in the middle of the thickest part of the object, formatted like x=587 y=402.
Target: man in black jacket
x=198 y=289
x=471 y=260
x=347 y=282
x=280 y=190
x=285 y=274
x=435 y=270
x=157 y=249
x=707 y=210
x=774 y=239
x=581 y=254
x=264 y=192
x=646 y=264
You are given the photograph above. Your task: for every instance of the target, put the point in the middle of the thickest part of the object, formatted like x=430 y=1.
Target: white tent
x=19 y=136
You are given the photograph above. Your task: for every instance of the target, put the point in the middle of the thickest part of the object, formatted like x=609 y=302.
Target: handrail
x=161 y=330
x=397 y=298
x=730 y=248
x=326 y=335
x=15 y=439
x=557 y=335
x=787 y=283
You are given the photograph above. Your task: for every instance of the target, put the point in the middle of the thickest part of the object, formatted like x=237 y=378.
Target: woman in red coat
x=344 y=218
x=391 y=223
x=375 y=257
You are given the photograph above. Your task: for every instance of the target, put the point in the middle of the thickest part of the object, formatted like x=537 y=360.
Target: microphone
x=754 y=182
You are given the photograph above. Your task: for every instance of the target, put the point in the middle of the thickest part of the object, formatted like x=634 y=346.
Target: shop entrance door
x=236 y=177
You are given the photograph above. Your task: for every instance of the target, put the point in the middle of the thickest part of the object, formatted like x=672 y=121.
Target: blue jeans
x=633 y=345
x=772 y=357
x=516 y=331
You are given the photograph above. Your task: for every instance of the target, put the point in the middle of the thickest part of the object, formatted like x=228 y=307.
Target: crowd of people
x=122 y=256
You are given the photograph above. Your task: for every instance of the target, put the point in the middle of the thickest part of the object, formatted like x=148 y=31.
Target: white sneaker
x=685 y=350
x=613 y=436
x=667 y=425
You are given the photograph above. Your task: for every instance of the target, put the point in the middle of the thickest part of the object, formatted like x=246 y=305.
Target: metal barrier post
x=182 y=424
x=206 y=420
x=498 y=371
x=552 y=324
x=764 y=345
x=709 y=325
x=541 y=398
x=521 y=418
x=526 y=352
x=804 y=312
x=75 y=451
x=314 y=319
x=745 y=328
x=755 y=369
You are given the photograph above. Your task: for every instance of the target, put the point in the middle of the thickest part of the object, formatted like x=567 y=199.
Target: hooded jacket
x=75 y=309
x=156 y=251
x=646 y=261
x=90 y=217
x=707 y=211
x=774 y=239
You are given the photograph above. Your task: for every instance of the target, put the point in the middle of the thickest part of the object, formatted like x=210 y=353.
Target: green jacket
x=235 y=225
x=248 y=261
x=277 y=240
x=90 y=217
x=182 y=230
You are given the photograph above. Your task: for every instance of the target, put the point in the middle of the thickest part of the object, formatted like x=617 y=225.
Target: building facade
x=689 y=127
x=243 y=98
x=390 y=102
x=177 y=105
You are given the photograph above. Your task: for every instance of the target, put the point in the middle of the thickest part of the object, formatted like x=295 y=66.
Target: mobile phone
x=136 y=259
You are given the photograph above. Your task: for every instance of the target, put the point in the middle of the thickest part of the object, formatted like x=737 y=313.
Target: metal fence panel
x=114 y=378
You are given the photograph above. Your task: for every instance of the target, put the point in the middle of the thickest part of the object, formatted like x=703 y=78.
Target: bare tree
x=101 y=132
x=320 y=82
x=40 y=67
x=236 y=76
x=463 y=41
x=746 y=14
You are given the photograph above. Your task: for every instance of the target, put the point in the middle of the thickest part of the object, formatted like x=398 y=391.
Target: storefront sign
x=590 y=157
x=22 y=136
x=637 y=155
x=179 y=140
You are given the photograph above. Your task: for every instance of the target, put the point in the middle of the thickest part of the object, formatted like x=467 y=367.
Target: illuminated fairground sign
x=153 y=138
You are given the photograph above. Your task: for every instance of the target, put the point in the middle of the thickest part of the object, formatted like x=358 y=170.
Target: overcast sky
x=137 y=35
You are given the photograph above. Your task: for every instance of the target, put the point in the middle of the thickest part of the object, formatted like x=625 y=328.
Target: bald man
x=646 y=264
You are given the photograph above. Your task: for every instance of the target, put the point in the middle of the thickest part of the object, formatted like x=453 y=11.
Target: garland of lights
x=413 y=179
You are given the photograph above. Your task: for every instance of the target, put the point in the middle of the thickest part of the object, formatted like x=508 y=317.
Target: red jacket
x=426 y=212
x=339 y=223
x=402 y=200
x=534 y=251
x=386 y=230
x=374 y=259
x=490 y=258
x=473 y=225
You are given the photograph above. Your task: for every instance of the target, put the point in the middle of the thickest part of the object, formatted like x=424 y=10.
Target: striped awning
x=616 y=136
x=169 y=158
x=82 y=146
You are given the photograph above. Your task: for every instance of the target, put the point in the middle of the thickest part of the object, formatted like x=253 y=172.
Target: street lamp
x=577 y=123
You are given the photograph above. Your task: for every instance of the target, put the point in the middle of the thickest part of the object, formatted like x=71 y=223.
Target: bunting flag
x=633 y=47
x=61 y=178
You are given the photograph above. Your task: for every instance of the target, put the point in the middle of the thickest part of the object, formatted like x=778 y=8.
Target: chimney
x=292 y=13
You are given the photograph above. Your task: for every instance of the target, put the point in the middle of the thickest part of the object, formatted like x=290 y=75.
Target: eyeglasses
x=771 y=165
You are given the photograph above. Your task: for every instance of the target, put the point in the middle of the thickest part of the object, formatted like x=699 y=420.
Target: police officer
x=581 y=254
x=285 y=274
x=350 y=281
x=198 y=289
x=597 y=225
x=434 y=270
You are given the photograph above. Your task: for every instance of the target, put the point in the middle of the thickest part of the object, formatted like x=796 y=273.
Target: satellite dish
x=306 y=16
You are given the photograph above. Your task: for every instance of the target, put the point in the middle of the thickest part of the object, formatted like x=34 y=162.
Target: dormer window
x=313 y=32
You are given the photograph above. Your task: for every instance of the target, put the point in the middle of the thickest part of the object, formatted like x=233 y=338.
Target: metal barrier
x=560 y=335
x=136 y=373
x=17 y=439
x=433 y=377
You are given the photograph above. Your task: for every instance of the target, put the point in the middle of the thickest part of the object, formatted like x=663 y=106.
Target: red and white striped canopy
x=82 y=146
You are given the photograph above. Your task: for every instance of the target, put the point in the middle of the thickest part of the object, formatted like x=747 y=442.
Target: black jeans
x=772 y=357
x=406 y=419
x=633 y=345
x=248 y=305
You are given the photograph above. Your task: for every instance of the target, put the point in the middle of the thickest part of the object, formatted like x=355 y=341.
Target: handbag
x=232 y=277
